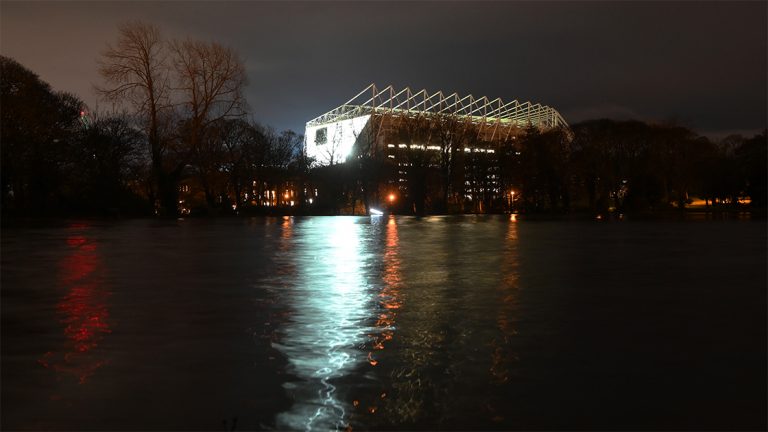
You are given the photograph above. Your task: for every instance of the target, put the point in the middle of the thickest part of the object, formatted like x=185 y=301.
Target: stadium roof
x=468 y=108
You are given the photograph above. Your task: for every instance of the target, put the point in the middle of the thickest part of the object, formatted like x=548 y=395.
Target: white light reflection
x=328 y=321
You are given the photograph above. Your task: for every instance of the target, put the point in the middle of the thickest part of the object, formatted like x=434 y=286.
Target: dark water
x=391 y=323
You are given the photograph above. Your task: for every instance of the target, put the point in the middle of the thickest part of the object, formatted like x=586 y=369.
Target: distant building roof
x=409 y=103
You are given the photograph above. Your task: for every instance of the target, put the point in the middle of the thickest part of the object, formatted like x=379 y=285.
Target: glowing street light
x=391 y=198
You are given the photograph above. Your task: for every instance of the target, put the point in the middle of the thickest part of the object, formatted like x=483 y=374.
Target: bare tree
x=210 y=79
x=367 y=166
x=135 y=71
x=417 y=133
x=332 y=149
x=451 y=132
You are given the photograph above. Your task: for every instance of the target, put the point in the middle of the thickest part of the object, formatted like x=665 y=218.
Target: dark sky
x=701 y=64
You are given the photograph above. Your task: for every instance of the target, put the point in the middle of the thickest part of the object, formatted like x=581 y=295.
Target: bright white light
x=340 y=138
x=331 y=319
x=375 y=212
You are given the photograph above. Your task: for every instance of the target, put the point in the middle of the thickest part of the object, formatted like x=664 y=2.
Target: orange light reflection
x=501 y=353
x=390 y=297
x=287 y=232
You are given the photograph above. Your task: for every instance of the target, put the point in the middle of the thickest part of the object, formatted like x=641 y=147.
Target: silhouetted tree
x=210 y=80
x=105 y=165
x=416 y=133
x=135 y=70
x=38 y=128
x=752 y=156
x=534 y=174
x=235 y=135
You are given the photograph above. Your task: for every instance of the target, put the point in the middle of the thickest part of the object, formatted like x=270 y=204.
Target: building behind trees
x=421 y=151
x=403 y=151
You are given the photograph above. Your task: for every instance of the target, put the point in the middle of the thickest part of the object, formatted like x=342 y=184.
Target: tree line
x=635 y=166
x=178 y=115
x=443 y=164
x=179 y=137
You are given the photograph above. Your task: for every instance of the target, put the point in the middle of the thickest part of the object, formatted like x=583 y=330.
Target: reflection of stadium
x=421 y=136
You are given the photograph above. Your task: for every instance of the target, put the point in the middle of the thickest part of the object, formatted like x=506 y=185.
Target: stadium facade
x=415 y=132
x=379 y=116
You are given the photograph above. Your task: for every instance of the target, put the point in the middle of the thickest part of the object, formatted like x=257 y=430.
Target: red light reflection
x=83 y=309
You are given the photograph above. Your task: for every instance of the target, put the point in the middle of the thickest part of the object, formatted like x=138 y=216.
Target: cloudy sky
x=700 y=64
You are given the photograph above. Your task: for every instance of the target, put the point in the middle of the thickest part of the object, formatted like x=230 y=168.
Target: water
x=385 y=323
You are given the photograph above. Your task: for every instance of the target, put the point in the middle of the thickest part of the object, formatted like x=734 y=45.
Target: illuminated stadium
x=376 y=119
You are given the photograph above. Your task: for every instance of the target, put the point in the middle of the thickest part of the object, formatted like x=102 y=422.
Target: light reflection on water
x=369 y=351
x=82 y=310
x=503 y=357
x=390 y=297
x=328 y=321
x=437 y=323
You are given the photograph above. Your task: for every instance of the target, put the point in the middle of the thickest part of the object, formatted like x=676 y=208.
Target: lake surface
x=387 y=323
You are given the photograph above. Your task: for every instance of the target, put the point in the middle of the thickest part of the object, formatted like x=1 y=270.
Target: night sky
x=700 y=64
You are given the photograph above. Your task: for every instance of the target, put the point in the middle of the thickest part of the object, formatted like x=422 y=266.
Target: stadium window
x=321 y=136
